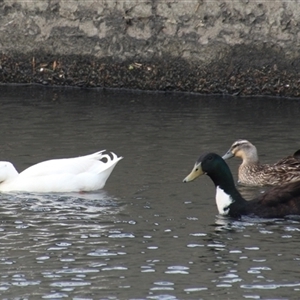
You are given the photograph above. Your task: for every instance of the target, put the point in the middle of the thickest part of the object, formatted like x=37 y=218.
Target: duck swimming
x=252 y=173
x=78 y=174
x=277 y=202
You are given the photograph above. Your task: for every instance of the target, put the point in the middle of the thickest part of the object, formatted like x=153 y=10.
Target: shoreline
x=156 y=76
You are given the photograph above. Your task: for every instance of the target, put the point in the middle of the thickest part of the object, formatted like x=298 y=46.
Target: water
x=146 y=235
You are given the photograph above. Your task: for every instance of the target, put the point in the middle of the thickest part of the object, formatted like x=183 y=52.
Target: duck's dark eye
x=196 y=169
x=210 y=157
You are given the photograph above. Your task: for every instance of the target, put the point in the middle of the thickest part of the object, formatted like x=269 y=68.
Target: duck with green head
x=277 y=202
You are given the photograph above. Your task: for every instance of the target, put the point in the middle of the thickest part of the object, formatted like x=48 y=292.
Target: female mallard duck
x=251 y=172
x=79 y=174
x=277 y=202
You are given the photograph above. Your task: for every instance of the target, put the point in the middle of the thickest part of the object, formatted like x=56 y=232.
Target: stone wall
x=231 y=47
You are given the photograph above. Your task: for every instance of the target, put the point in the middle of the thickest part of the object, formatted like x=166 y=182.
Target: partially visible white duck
x=78 y=174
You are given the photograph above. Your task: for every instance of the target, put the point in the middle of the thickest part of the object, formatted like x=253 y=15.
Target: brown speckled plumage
x=251 y=172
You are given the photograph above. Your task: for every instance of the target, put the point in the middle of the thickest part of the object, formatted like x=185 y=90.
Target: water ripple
x=177 y=270
x=69 y=284
x=269 y=286
x=121 y=235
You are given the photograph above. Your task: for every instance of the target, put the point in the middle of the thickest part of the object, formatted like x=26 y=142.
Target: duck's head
x=216 y=168
x=209 y=164
x=243 y=149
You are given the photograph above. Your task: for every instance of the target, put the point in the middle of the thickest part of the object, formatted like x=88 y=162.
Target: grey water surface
x=146 y=235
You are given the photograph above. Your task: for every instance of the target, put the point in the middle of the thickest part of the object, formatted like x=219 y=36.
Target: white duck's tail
x=107 y=162
x=110 y=160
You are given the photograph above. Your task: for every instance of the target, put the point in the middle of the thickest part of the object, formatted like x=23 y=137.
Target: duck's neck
x=250 y=157
x=227 y=195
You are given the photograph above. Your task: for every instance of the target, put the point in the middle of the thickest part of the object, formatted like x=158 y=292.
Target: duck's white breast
x=223 y=201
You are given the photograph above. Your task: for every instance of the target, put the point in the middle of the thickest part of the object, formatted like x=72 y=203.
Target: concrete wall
x=231 y=47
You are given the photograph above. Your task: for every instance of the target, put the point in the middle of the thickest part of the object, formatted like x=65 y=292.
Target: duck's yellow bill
x=196 y=172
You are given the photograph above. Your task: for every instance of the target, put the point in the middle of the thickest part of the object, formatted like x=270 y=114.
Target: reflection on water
x=146 y=235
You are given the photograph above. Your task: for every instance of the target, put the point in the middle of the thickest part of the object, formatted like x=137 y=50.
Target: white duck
x=78 y=174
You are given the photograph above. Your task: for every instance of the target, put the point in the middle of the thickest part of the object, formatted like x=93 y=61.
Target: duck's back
x=74 y=165
x=277 y=202
x=260 y=175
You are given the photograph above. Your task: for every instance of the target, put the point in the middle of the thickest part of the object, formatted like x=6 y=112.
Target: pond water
x=146 y=235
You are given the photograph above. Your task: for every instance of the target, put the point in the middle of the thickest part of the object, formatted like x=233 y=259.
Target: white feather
x=83 y=173
x=223 y=201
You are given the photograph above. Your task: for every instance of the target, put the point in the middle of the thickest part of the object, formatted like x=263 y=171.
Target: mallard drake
x=251 y=172
x=78 y=174
x=277 y=202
